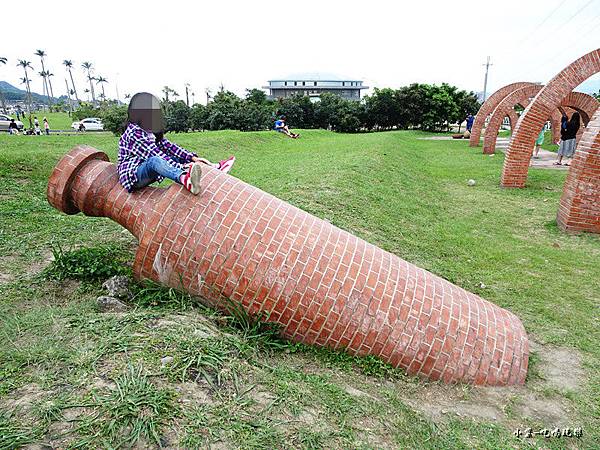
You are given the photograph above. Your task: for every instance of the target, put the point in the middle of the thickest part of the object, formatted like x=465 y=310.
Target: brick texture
x=519 y=96
x=516 y=163
x=579 y=209
x=324 y=286
x=488 y=108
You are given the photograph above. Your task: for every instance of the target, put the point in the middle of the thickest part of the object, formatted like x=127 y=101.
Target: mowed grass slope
x=396 y=190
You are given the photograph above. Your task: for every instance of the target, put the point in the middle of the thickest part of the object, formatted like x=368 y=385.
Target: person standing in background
x=46 y=126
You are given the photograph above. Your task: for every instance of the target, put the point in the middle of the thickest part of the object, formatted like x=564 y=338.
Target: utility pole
x=487 y=68
x=187 y=94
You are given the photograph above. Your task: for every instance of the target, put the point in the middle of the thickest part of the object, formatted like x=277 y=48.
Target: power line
x=539 y=25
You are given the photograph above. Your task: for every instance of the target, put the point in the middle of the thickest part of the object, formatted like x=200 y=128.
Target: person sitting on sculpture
x=281 y=127
x=568 y=133
x=146 y=156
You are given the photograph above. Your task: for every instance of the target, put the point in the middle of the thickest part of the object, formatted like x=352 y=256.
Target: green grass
x=229 y=380
x=56 y=120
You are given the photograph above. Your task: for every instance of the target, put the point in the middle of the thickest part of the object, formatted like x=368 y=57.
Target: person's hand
x=195 y=159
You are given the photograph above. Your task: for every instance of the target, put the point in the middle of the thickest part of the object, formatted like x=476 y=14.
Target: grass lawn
x=70 y=375
x=57 y=120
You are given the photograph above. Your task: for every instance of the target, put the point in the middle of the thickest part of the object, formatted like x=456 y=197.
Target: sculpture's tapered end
x=59 y=191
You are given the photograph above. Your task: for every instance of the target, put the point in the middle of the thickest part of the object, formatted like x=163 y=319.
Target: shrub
x=115 y=119
x=86 y=264
x=178 y=117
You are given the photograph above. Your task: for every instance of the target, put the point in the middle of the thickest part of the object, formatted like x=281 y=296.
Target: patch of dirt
x=191 y=393
x=24 y=398
x=560 y=369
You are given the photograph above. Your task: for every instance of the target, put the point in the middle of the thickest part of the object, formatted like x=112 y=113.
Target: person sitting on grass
x=145 y=156
x=12 y=127
x=283 y=128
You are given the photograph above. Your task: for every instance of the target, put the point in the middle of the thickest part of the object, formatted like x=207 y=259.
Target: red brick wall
x=488 y=107
x=520 y=95
x=579 y=209
x=323 y=285
x=516 y=163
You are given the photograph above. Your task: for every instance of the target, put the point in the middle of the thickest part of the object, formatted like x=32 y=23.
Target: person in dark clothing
x=12 y=127
x=470 y=120
x=568 y=133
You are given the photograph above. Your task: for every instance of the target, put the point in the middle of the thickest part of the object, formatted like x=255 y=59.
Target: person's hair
x=575 y=119
x=283 y=117
x=145 y=111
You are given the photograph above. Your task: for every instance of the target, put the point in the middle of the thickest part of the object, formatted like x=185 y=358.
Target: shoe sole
x=195 y=177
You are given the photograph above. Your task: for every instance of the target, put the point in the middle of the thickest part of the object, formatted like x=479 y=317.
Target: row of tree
x=419 y=106
x=47 y=75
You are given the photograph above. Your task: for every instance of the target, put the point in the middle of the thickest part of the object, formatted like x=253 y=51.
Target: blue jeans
x=152 y=168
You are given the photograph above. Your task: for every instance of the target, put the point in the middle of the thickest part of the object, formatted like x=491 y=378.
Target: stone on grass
x=118 y=286
x=111 y=304
x=471 y=182
x=166 y=360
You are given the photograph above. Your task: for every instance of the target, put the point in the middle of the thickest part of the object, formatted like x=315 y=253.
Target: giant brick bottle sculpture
x=323 y=285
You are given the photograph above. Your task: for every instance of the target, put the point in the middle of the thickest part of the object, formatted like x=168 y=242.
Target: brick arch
x=579 y=209
x=513 y=118
x=506 y=105
x=488 y=107
x=584 y=104
x=516 y=163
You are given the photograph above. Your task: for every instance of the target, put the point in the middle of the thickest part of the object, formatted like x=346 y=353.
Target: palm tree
x=88 y=66
x=127 y=96
x=101 y=80
x=46 y=92
x=41 y=54
x=87 y=91
x=2 y=61
x=68 y=64
x=49 y=75
x=26 y=65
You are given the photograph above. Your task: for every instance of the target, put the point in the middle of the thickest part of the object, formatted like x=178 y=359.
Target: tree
x=198 y=116
x=46 y=90
x=298 y=109
x=115 y=119
x=87 y=66
x=168 y=91
x=26 y=65
x=3 y=60
x=101 y=80
x=222 y=112
x=41 y=54
x=178 y=117
x=256 y=96
x=49 y=76
x=68 y=65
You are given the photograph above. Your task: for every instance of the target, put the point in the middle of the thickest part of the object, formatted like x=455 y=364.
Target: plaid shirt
x=137 y=145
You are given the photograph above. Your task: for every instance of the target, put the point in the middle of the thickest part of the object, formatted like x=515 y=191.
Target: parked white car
x=5 y=122
x=89 y=124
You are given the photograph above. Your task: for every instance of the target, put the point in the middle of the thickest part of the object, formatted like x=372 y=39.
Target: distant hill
x=12 y=93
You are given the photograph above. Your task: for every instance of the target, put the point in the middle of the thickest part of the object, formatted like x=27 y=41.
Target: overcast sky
x=142 y=46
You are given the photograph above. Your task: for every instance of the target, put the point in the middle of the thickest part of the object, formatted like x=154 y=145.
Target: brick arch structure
x=513 y=118
x=488 y=107
x=516 y=163
x=579 y=209
x=503 y=108
x=584 y=104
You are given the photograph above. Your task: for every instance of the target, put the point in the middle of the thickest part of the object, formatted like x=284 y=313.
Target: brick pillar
x=323 y=285
x=579 y=209
x=519 y=96
x=488 y=107
x=516 y=162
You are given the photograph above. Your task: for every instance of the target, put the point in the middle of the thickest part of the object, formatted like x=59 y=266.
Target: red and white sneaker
x=191 y=179
x=226 y=164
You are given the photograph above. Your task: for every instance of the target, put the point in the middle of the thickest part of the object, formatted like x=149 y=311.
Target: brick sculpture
x=516 y=163
x=488 y=108
x=579 y=209
x=324 y=286
x=519 y=96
